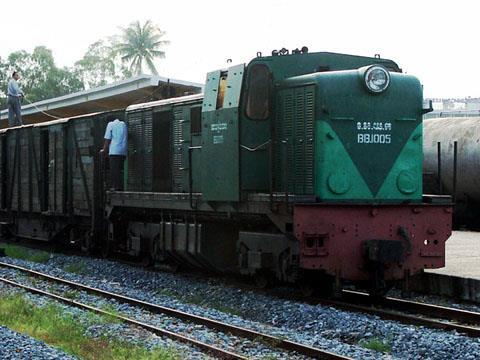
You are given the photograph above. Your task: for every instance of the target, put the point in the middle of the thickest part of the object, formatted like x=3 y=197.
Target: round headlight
x=377 y=79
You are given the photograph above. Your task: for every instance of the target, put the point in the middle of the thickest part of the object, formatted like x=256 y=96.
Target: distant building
x=456 y=104
x=473 y=104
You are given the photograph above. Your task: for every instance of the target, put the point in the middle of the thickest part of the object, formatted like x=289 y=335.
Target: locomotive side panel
x=295 y=140
x=139 y=125
x=220 y=139
x=191 y=167
x=158 y=147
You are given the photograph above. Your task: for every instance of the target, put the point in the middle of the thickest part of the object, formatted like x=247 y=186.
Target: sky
x=437 y=41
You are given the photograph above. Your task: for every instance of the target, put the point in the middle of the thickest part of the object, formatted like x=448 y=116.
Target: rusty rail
x=442 y=312
x=213 y=324
x=362 y=302
x=215 y=351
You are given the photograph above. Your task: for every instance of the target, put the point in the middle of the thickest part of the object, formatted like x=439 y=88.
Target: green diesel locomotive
x=292 y=167
x=301 y=167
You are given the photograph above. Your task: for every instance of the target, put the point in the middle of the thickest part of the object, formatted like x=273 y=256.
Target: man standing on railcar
x=116 y=142
x=14 y=96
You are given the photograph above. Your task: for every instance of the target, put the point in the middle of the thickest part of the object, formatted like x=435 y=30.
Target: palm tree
x=141 y=44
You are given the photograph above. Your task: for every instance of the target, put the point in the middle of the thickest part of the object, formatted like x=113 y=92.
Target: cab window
x=196 y=120
x=258 y=96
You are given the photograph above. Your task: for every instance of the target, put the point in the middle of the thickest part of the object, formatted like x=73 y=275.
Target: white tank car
x=466 y=131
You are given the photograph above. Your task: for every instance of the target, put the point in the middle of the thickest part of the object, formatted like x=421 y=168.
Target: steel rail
x=214 y=324
x=210 y=349
x=465 y=316
x=354 y=305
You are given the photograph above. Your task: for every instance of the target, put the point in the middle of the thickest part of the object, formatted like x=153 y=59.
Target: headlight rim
x=371 y=68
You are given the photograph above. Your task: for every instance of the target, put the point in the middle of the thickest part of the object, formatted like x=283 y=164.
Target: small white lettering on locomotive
x=218 y=139
x=374 y=132
x=219 y=127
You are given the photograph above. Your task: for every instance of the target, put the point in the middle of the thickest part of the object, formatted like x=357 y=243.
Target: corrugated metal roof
x=109 y=97
x=165 y=102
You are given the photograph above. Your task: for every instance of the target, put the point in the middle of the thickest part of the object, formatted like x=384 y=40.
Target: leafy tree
x=100 y=65
x=4 y=75
x=141 y=43
x=107 y=60
x=41 y=78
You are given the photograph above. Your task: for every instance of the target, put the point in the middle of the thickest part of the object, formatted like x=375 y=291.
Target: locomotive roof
x=171 y=101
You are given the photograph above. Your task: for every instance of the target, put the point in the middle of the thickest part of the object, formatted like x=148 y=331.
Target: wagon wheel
x=106 y=249
x=86 y=243
x=146 y=260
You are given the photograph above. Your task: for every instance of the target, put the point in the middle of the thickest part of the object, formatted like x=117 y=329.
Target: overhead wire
x=43 y=112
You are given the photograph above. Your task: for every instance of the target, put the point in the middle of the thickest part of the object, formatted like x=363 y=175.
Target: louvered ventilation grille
x=177 y=130
x=140 y=151
x=295 y=140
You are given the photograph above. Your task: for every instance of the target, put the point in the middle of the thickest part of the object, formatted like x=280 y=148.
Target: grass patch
x=226 y=309
x=376 y=344
x=167 y=292
x=19 y=252
x=112 y=310
x=71 y=294
x=51 y=325
x=76 y=268
x=195 y=299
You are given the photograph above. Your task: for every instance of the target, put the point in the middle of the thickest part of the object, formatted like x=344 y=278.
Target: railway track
x=408 y=312
x=210 y=323
x=386 y=307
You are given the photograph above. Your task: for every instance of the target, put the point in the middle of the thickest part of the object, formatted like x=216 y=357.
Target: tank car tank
x=465 y=179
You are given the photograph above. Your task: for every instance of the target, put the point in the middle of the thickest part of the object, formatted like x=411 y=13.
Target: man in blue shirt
x=14 y=96
x=116 y=143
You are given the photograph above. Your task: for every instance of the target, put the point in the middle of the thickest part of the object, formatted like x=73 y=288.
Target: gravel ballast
x=15 y=346
x=320 y=326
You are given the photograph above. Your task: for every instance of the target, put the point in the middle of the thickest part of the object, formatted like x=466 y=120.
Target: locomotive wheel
x=307 y=289
x=106 y=250
x=307 y=285
x=319 y=284
x=380 y=292
x=174 y=267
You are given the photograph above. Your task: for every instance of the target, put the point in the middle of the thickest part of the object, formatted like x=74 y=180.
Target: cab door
x=220 y=138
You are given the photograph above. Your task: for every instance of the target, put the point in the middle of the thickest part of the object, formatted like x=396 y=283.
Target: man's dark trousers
x=14 y=111
x=116 y=171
